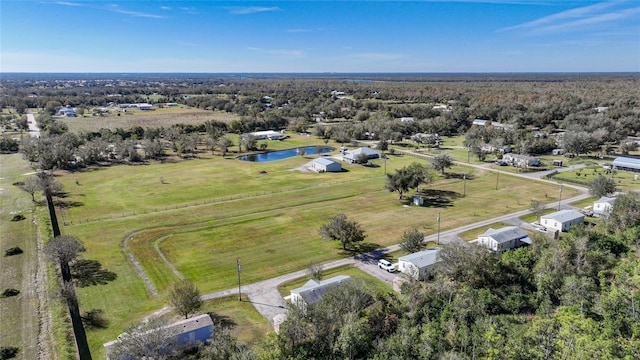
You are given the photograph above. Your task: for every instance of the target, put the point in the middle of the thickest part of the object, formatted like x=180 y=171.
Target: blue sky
x=320 y=36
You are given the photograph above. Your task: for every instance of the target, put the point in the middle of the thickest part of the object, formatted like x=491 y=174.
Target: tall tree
x=409 y=177
x=412 y=241
x=185 y=297
x=347 y=231
x=602 y=186
x=441 y=162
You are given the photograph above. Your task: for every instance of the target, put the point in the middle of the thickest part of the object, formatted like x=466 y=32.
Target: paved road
x=34 y=130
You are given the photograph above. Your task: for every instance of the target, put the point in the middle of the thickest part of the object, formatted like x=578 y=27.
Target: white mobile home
x=503 y=239
x=418 y=265
x=313 y=290
x=603 y=205
x=562 y=220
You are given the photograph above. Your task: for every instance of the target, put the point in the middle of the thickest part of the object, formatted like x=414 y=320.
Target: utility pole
x=438 y=219
x=239 y=268
x=385 y=164
x=560 y=198
x=464 y=187
x=497 y=179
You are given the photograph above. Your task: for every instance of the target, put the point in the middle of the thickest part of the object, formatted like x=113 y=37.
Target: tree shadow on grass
x=90 y=272
x=438 y=198
x=67 y=204
x=222 y=320
x=366 y=252
x=459 y=176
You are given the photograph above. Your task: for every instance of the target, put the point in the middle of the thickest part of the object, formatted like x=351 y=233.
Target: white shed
x=562 y=220
x=352 y=155
x=418 y=265
x=326 y=165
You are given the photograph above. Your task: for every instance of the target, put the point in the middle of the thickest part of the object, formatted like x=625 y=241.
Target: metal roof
x=422 y=258
x=563 y=216
x=626 y=162
x=325 y=161
x=313 y=290
x=505 y=234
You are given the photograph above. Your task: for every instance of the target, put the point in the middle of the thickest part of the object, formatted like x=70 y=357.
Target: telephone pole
x=239 y=268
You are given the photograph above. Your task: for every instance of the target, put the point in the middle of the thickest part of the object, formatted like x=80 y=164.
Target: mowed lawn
x=205 y=213
x=19 y=321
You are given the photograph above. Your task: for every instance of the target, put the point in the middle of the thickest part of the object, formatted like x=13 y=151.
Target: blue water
x=284 y=154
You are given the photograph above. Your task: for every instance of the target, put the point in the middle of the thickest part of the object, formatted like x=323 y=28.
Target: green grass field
x=202 y=214
x=18 y=314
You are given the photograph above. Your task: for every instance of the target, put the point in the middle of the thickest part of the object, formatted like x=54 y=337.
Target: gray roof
x=362 y=150
x=422 y=258
x=505 y=234
x=626 y=162
x=606 y=199
x=313 y=290
x=325 y=161
x=563 y=216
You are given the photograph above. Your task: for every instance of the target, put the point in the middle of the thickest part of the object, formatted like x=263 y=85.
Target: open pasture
x=164 y=117
x=193 y=218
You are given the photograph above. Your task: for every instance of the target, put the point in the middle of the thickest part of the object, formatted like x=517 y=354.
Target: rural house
x=187 y=332
x=562 y=220
x=352 y=155
x=603 y=205
x=313 y=290
x=503 y=239
x=418 y=265
x=326 y=165
x=521 y=160
x=265 y=135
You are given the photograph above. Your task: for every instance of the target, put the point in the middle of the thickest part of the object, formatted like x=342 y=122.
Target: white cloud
x=165 y=7
x=251 y=9
x=117 y=9
x=66 y=3
x=298 y=30
x=577 y=18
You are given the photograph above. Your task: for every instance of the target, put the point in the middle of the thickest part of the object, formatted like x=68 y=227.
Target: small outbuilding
x=562 y=220
x=418 y=265
x=313 y=290
x=506 y=238
x=603 y=205
x=326 y=165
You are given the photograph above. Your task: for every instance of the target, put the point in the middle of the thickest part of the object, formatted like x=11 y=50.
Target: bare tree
x=31 y=185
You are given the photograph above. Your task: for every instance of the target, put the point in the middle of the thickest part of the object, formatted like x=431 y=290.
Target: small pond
x=284 y=154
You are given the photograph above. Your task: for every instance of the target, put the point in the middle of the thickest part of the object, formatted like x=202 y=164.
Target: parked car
x=385 y=265
x=539 y=227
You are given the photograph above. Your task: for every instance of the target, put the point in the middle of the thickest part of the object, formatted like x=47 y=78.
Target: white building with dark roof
x=313 y=290
x=418 y=265
x=503 y=239
x=562 y=220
